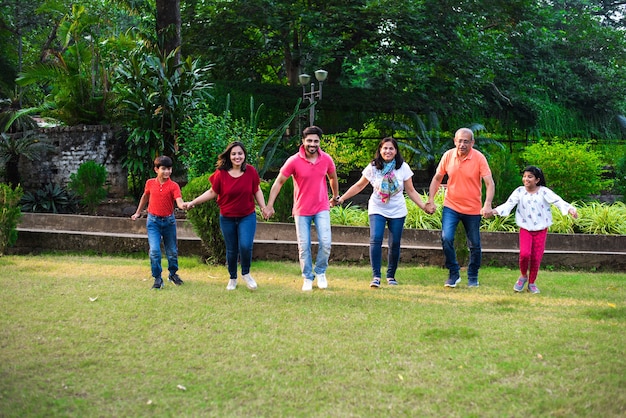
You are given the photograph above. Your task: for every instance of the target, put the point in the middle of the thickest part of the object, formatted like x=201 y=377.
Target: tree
x=168 y=25
x=75 y=74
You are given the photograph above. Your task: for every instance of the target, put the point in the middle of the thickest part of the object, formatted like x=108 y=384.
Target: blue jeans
x=238 y=235
x=377 y=232
x=162 y=227
x=303 y=233
x=450 y=220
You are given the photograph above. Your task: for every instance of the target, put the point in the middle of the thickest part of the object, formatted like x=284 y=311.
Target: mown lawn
x=85 y=336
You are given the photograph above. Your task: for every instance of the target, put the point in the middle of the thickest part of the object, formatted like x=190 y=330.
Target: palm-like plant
x=18 y=138
x=76 y=74
x=157 y=93
x=425 y=144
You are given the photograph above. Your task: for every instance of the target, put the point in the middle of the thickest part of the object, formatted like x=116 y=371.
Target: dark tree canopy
x=508 y=60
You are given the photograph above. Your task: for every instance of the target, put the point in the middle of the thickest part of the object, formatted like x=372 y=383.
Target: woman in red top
x=235 y=184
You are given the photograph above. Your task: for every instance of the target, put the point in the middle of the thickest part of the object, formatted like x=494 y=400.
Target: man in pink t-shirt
x=309 y=167
x=466 y=168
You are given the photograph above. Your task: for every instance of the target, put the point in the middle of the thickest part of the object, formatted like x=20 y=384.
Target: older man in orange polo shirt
x=466 y=168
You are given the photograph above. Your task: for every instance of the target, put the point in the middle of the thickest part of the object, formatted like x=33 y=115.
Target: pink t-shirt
x=464 y=191
x=310 y=189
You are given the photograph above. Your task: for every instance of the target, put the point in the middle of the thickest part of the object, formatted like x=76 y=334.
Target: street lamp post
x=313 y=94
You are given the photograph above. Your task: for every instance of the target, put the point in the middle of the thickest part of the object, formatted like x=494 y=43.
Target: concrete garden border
x=277 y=241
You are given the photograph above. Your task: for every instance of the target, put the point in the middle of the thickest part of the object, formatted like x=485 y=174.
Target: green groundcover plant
x=594 y=218
x=87 y=337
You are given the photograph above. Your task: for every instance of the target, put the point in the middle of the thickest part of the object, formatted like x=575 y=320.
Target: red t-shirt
x=235 y=195
x=162 y=196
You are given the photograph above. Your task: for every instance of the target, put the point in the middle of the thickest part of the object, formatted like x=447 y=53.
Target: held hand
x=430 y=208
x=486 y=211
x=268 y=211
x=489 y=214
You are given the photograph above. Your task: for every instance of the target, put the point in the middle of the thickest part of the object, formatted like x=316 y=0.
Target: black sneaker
x=158 y=284
x=175 y=279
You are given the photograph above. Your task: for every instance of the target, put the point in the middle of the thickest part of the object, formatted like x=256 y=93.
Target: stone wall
x=75 y=145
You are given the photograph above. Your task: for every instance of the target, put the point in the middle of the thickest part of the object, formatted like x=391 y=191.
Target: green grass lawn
x=85 y=336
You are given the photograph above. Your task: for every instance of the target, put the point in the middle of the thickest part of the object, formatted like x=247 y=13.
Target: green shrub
x=506 y=174
x=572 y=170
x=348 y=216
x=561 y=224
x=205 y=219
x=347 y=151
x=207 y=136
x=284 y=202
x=418 y=219
x=620 y=176
x=10 y=215
x=601 y=218
x=499 y=224
x=88 y=184
x=52 y=198
x=461 y=245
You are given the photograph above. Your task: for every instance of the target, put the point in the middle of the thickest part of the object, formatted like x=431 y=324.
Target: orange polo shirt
x=464 y=191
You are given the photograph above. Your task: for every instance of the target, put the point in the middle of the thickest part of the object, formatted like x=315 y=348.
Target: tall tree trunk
x=168 y=25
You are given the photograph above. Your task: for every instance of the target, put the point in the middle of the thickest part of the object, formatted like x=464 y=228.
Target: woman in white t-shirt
x=389 y=176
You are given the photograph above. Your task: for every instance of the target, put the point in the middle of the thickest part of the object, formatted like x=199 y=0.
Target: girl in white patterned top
x=533 y=216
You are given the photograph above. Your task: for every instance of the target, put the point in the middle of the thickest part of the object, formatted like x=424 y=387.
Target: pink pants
x=531 y=247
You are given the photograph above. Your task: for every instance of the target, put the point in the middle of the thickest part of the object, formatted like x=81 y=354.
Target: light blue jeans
x=162 y=227
x=238 y=236
x=303 y=234
x=450 y=220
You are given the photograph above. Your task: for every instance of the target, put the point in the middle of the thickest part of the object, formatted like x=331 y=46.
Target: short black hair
x=163 y=161
x=312 y=130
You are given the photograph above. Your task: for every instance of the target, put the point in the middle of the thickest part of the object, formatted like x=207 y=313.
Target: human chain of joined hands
x=430 y=208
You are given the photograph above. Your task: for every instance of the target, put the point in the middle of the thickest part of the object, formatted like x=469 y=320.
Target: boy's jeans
x=162 y=227
x=303 y=233
x=450 y=220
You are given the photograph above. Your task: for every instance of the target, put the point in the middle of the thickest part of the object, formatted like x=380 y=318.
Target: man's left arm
x=334 y=187
x=491 y=191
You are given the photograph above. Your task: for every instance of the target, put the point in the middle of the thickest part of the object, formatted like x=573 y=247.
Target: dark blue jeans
x=450 y=220
x=377 y=231
x=238 y=235
x=162 y=227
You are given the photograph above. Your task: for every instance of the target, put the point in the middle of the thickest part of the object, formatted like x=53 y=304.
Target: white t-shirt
x=396 y=206
x=533 y=211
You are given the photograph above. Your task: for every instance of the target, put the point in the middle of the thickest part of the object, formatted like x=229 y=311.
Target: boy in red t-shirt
x=160 y=194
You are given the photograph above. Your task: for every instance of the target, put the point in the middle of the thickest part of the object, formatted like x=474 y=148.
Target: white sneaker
x=232 y=284
x=249 y=281
x=322 y=283
x=307 y=285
